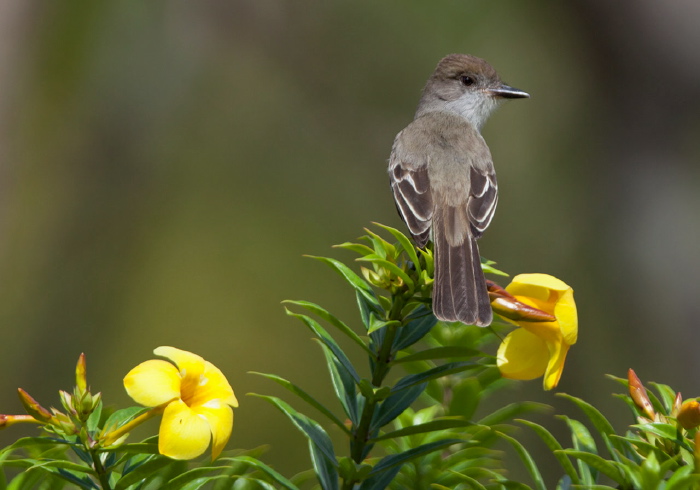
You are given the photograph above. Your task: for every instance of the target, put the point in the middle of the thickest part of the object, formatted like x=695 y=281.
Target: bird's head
x=466 y=86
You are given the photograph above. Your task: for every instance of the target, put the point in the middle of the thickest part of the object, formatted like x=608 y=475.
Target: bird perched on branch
x=444 y=183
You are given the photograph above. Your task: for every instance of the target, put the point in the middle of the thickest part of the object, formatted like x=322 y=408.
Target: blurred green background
x=165 y=165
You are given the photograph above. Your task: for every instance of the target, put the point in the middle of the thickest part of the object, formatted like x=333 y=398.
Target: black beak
x=508 y=92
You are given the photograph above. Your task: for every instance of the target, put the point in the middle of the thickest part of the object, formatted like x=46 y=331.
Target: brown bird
x=444 y=182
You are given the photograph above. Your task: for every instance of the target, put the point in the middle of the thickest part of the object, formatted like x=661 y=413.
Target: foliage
x=411 y=416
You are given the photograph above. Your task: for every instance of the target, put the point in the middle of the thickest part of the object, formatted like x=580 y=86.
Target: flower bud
x=81 y=374
x=8 y=420
x=33 y=408
x=639 y=394
x=507 y=305
x=689 y=414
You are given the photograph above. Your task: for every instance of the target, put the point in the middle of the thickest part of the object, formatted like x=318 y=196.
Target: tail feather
x=459 y=290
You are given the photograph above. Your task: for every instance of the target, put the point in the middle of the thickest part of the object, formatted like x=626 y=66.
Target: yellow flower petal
x=183 y=433
x=220 y=418
x=522 y=355
x=555 y=367
x=216 y=386
x=188 y=363
x=153 y=383
x=566 y=314
x=539 y=280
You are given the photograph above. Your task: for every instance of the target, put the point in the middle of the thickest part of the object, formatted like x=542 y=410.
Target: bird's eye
x=466 y=80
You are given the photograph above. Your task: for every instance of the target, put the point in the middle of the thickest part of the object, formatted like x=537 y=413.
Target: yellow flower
x=540 y=348
x=196 y=399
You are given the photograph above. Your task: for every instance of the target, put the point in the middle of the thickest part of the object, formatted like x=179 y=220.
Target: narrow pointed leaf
x=269 y=471
x=604 y=427
x=554 y=446
x=355 y=247
x=415 y=330
x=321 y=312
x=582 y=440
x=353 y=279
x=665 y=431
x=143 y=471
x=513 y=410
x=377 y=323
x=381 y=480
x=610 y=469
x=666 y=394
x=406 y=244
x=436 y=372
x=309 y=427
x=398 y=459
x=306 y=397
x=324 y=337
x=526 y=459
x=474 y=484
x=443 y=423
x=395 y=405
x=343 y=385
x=326 y=468
x=446 y=352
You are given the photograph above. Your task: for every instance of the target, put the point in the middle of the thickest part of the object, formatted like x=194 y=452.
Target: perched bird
x=444 y=183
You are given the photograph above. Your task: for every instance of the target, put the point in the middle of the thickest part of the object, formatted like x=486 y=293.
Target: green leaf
x=471 y=481
x=683 y=479
x=553 y=446
x=665 y=431
x=643 y=447
x=416 y=329
x=442 y=423
x=121 y=417
x=193 y=478
x=488 y=268
x=94 y=418
x=667 y=395
x=604 y=427
x=321 y=312
x=343 y=385
x=309 y=427
x=395 y=405
x=406 y=244
x=610 y=469
x=399 y=459
x=355 y=247
x=306 y=397
x=377 y=323
x=450 y=351
x=380 y=481
x=26 y=442
x=143 y=471
x=269 y=471
x=324 y=337
x=359 y=284
x=514 y=485
x=582 y=440
x=513 y=410
x=326 y=469
x=436 y=372
x=465 y=399
x=526 y=459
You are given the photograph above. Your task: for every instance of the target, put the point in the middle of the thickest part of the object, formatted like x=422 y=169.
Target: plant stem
x=102 y=474
x=382 y=367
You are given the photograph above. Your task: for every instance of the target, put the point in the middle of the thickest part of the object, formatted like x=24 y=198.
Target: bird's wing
x=483 y=197
x=408 y=172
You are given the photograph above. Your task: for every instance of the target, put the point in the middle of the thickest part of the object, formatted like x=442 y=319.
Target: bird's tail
x=459 y=290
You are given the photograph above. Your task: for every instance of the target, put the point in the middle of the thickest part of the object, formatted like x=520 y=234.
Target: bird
x=444 y=183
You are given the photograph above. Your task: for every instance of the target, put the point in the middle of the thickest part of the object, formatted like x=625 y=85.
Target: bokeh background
x=165 y=165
